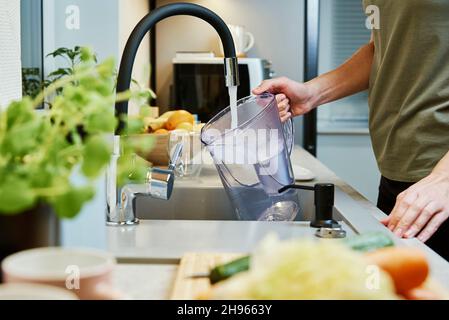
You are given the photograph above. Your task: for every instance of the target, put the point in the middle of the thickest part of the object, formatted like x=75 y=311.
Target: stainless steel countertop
x=164 y=242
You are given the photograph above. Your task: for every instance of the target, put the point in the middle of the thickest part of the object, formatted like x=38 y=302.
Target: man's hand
x=293 y=98
x=421 y=209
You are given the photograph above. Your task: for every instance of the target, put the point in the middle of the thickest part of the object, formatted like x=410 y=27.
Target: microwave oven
x=199 y=83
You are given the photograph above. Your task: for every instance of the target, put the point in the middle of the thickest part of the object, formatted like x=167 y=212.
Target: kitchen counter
x=148 y=253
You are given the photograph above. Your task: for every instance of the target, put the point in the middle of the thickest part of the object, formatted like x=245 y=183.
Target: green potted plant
x=40 y=152
x=31 y=82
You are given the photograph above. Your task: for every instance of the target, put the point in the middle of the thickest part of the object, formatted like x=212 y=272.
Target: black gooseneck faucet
x=148 y=22
x=159 y=184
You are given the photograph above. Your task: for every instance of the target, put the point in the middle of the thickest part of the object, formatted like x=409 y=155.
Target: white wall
x=278 y=27
x=351 y=157
x=10 y=63
x=130 y=13
x=105 y=26
x=99 y=29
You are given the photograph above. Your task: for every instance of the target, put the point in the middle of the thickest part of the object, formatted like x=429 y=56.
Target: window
x=342 y=33
x=31 y=42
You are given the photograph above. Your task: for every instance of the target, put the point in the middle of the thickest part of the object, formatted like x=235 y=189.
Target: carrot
x=421 y=294
x=407 y=267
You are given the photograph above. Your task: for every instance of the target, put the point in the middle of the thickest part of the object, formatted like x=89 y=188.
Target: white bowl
x=20 y=291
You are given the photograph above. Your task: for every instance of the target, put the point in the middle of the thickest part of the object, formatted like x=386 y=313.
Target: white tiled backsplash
x=10 y=61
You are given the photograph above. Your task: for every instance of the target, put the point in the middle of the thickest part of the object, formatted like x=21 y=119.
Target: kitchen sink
x=204 y=198
x=187 y=203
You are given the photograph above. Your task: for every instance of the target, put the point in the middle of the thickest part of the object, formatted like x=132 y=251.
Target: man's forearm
x=350 y=78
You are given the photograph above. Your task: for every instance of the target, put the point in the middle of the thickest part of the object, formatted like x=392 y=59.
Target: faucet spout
x=121 y=201
x=148 y=22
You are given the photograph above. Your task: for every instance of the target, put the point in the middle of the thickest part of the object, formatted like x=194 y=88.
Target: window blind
x=10 y=63
x=348 y=29
x=343 y=32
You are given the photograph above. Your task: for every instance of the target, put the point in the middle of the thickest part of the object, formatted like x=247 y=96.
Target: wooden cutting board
x=186 y=288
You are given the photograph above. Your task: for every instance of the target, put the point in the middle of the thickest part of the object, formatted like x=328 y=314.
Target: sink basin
x=204 y=198
x=188 y=203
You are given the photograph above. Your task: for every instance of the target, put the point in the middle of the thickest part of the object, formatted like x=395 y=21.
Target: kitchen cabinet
x=351 y=157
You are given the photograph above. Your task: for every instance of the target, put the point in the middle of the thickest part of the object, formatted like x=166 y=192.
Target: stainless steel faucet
x=120 y=208
x=121 y=201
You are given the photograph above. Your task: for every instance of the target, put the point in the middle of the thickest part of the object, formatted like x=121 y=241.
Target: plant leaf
x=61 y=72
x=96 y=156
x=20 y=112
x=58 y=52
x=23 y=139
x=104 y=122
x=69 y=204
x=16 y=196
x=135 y=126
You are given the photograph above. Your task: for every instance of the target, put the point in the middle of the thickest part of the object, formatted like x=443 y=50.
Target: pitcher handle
x=289 y=135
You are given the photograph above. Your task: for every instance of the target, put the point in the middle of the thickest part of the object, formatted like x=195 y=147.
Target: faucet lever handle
x=176 y=156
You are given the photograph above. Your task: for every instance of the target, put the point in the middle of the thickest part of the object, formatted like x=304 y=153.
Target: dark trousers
x=388 y=191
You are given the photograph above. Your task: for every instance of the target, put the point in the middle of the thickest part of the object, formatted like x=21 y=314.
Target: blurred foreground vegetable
x=362 y=243
x=305 y=270
x=407 y=267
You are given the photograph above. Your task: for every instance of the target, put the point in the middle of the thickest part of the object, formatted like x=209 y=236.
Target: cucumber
x=369 y=242
x=228 y=270
x=362 y=243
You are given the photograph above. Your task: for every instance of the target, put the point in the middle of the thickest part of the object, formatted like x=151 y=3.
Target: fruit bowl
x=169 y=129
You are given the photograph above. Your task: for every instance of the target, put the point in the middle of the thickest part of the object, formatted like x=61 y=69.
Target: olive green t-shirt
x=409 y=87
